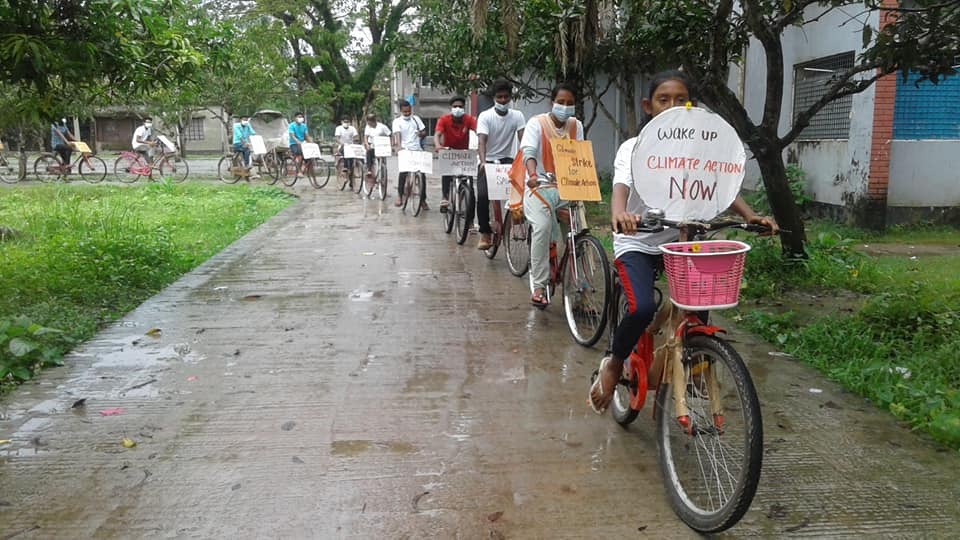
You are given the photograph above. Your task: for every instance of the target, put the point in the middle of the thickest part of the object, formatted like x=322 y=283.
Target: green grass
x=87 y=255
x=901 y=349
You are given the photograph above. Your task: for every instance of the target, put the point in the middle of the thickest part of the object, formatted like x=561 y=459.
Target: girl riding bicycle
x=637 y=254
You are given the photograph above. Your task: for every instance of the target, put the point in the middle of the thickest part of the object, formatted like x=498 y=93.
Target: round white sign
x=689 y=163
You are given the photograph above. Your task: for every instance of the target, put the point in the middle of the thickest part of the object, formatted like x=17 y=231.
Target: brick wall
x=883 y=107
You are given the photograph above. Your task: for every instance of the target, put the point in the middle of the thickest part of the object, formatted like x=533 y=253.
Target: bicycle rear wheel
x=359 y=174
x=343 y=173
x=9 y=170
x=516 y=238
x=382 y=179
x=626 y=388
x=586 y=290
x=92 y=169
x=466 y=207
x=174 y=168
x=272 y=167
x=448 y=214
x=289 y=171
x=47 y=168
x=421 y=197
x=712 y=468
x=227 y=169
x=496 y=223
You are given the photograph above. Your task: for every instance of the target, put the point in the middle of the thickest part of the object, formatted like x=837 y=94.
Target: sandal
x=539 y=300
x=597 y=384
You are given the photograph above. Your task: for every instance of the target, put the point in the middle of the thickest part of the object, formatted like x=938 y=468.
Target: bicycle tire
x=516 y=240
x=495 y=212
x=620 y=408
x=369 y=184
x=449 y=217
x=289 y=171
x=342 y=173
x=92 y=169
x=421 y=180
x=226 y=169
x=8 y=173
x=47 y=168
x=675 y=443
x=586 y=313
x=359 y=174
x=273 y=165
x=318 y=172
x=466 y=207
x=174 y=168
x=382 y=179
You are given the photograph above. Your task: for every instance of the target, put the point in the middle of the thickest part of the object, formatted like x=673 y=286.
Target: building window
x=194 y=131
x=811 y=80
x=926 y=110
x=425 y=81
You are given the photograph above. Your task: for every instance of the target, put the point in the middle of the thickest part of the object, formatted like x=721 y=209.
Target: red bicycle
x=130 y=166
x=706 y=410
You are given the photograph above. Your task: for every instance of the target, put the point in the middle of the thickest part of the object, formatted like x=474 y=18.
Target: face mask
x=563 y=112
x=407 y=117
x=457 y=112
x=244 y=122
x=299 y=120
x=64 y=120
x=147 y=125
x=345 y=124
x=501 y=107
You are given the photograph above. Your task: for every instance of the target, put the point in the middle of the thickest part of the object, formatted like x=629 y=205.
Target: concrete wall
x=837 y=170
x=924 y=174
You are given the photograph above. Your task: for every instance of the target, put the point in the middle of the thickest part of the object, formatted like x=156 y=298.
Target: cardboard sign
x=256 y=145
x=576 y=170
x=81 y=147
x=354 y=151
x=457 y=162
x=413 y=161
x=498 y=181
x=382 y=147
x=310 y=150
x=689 y=163
x=167 y=143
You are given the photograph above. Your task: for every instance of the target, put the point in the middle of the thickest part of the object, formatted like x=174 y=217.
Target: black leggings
x=65 y=152
x=483 y=200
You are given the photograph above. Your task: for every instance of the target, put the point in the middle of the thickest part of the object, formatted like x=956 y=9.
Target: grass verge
x=82 y=256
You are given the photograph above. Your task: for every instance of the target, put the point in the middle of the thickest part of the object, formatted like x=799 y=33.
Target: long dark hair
x=660 y=78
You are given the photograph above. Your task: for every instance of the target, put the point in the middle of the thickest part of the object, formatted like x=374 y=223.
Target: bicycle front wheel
x=227 y=169
x=174 y=168
x=289 y=171
x=711 y=468
x=516 y=238
x=92 y=169
x=9 y=173
x=586 y=290
x=496 y=223
x=466 y=207
x=382 y=179
x=421 y=197
x=47 y=168
x=359 y=174
x=319 y=172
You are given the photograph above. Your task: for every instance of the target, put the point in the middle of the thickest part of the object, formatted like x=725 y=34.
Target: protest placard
x=82 y=147
x=382 y=146
x=256 y=145
x=354 y=151
x=688 y=163
x=576 y=170
x=498 y=181
x=457 y=162
x=167 y=143
x=310 y=150
x=414 y=161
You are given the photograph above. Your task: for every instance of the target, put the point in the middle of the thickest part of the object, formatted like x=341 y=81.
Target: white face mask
x=407 y=117
x=244 y=122
x=501 y=107
x=345 y=124
x=299 y=120
x=147 y=124
x=563 y=112
x=457 y=112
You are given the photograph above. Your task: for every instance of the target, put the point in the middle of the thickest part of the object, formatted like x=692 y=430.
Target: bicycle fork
x=669 y=358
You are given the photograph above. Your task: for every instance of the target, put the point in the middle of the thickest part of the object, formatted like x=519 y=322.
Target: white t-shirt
x=409 y=139
x=345 y=134
x=642 y=242
x=380 y=130
x=501 y=132
x=531 y=138
x=143 y=133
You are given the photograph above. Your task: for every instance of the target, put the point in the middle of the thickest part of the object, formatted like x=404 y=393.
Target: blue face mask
x=501 y=107
x=563 y=112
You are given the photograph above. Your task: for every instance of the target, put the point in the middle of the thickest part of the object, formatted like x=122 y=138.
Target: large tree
x=707 y=37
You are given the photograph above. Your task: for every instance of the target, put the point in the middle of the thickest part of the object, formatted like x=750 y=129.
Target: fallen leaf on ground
x=253 y=297
x=154 y=332
x=79 y=403
x=495 y=516
x=287 y=426
x=128 y=443
x=111 y=412
x=5 y=441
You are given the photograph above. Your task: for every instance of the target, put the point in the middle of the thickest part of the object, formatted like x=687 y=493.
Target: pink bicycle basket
x=704 y=275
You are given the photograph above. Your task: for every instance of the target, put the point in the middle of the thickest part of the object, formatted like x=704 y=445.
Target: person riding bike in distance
x=345 y=134
x=453 y=131
x=637 y=254
x=541 y=198
x=241 y=141
x=61 y=141
x=370 y=131
x=143 y=140
x=408 y=129
x=298 y=134
x=497 y=127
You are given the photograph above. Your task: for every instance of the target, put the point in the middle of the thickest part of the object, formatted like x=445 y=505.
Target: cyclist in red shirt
x=453 y=131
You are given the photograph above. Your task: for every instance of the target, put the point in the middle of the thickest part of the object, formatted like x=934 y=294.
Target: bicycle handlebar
x=696 y=227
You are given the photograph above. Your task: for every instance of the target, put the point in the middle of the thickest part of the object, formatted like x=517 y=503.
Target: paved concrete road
x=348 y=371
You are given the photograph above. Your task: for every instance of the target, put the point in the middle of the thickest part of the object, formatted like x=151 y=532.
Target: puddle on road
x=350 y=448
x=426 y=381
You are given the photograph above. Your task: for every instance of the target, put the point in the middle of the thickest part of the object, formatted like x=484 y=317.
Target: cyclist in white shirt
x=143 y=139
x=408 y=129
x=371 y=130
x=499 y=130
x=345 y=134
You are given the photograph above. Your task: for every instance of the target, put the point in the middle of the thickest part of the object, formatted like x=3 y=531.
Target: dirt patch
x=909 y=250
x=810 y=305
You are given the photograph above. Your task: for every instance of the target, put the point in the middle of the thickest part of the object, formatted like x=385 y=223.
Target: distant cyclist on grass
x=241 y=141
x=61 y=141
x=298 y=134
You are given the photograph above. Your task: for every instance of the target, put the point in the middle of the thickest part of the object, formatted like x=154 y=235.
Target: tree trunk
x=630 y=105
x=785 y=210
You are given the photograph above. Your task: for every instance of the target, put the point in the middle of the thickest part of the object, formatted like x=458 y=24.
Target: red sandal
x=539 y=300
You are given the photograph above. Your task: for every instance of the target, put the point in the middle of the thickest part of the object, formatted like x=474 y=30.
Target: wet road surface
x=348 y=371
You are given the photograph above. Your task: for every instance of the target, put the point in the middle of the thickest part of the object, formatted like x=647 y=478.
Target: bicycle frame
x=558 y=265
